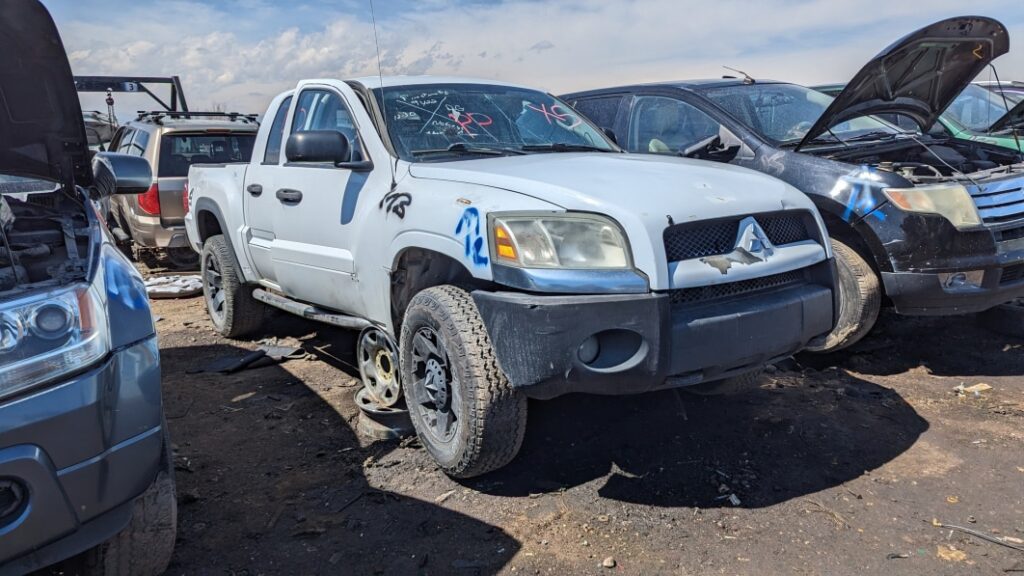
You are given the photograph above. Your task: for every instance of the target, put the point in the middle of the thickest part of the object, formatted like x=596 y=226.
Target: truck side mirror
x=318 y=146
x=114 y=173
x=611 y=135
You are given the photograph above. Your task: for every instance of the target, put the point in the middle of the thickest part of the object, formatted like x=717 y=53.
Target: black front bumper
x=644 y=341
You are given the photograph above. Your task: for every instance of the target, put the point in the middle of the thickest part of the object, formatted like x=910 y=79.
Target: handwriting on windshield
x=557 y=114
x=466 y=120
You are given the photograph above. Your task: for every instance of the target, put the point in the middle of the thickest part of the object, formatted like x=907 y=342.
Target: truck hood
x=42 y=134
x=920 y=74
x=620 y=185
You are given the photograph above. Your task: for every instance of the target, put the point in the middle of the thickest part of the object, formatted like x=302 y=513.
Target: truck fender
x=208 y=205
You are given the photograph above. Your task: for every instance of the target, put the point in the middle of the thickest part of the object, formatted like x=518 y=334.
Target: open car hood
x=919 y=75
x=1014 y=118
x=42 y=134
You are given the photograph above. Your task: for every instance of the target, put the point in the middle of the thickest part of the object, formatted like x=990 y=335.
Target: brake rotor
x=377 y=354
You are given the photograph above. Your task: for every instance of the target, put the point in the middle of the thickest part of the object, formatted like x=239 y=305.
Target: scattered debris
x=609 y=562
x=265 y=355
x=444 y=496
x=1004 y=541
x=840 y=522
x=974 y=390
x=895 y=556
x=950 y=554
x=176 y=286
x=953 y=499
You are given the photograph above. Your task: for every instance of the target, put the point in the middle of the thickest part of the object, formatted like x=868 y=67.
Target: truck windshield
x=179 y=151
x=431 y=122
x=783 y=113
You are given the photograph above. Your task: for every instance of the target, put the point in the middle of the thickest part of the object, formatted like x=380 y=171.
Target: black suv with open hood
x=932 y=225
x=86 y=478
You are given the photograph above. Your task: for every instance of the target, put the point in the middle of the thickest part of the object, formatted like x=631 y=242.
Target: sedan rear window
x=179 y=151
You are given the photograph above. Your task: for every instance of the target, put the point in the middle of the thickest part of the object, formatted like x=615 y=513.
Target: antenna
x=383 y=100
x=747 y=78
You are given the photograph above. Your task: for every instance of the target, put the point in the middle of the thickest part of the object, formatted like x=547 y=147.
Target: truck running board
x=309 y=311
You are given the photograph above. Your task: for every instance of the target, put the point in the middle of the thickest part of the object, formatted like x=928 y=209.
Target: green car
x=977 y=114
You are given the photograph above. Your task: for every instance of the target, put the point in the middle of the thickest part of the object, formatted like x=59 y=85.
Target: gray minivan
x=86 y=474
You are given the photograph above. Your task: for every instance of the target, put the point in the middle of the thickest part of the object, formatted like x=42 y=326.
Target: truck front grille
x=704 y=294
x=700 y=239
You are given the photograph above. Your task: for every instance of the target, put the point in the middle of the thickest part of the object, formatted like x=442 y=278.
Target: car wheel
x=728 y=386
x=229 y=302
x=183 y=257
x=145 y=546
x=465 y=412
x=860 y=299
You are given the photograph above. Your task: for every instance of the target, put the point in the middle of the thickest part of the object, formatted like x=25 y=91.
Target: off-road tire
x=243 y=314
x=145 y=546
x=728 y=386
x=860 y=299
x=493 y=412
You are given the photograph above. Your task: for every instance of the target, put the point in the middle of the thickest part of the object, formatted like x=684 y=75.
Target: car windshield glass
x=431 y=122
x=179 y=151
x=783 y=113
x=977 y=108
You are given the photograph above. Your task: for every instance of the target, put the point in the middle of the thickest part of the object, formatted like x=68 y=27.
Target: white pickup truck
x=494 y=245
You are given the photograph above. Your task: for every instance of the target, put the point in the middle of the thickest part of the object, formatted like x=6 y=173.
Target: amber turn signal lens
x=506 y=250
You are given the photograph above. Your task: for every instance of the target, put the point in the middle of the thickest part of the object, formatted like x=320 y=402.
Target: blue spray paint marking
x=469 y=226
x=862 y=198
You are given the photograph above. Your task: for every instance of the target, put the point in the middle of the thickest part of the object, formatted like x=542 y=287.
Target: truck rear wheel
x=233 y=310
x=860 y=299
x=466 y=413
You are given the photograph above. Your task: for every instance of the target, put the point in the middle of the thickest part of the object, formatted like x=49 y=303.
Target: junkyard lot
x=839 y=468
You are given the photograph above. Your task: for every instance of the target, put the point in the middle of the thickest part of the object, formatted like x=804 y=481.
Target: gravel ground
x=840 y=465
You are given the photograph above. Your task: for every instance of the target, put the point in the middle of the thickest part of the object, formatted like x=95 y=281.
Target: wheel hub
x=378 y=367
x=437 y=383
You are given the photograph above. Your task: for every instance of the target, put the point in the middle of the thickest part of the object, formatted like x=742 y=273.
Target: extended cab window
x=179 y=151
x=276 y=136
x=325 y=110
x=665 y=125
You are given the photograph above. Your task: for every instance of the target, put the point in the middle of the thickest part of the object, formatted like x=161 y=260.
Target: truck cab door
x=314 y=206
x=263 y=174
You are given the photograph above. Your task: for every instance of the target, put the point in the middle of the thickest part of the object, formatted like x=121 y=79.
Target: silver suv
x=153 y=222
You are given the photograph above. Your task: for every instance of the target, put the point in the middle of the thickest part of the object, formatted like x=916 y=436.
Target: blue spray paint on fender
x=469 y=228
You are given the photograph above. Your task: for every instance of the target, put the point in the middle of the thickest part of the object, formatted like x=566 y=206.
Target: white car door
x=315 y=204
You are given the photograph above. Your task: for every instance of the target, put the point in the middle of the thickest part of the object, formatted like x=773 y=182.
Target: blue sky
x=239 y=53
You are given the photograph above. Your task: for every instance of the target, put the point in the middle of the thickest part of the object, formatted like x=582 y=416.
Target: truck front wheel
x=233 y=310
x=466 y=413
x=860 y=298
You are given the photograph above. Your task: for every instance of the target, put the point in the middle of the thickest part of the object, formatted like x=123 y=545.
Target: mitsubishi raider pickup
x=933 y=225
x=493 y=245
x=86 y=476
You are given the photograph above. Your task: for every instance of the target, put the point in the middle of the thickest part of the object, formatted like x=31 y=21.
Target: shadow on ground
x=794 y=437
x=944 y=346
x=270 y=480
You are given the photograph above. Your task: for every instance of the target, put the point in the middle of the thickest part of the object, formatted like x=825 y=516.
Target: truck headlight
x=558 y=240
x=951 y=201
x=50 y=334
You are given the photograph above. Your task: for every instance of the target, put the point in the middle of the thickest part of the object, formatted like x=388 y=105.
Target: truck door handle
x=288 y=196
x=255 y=189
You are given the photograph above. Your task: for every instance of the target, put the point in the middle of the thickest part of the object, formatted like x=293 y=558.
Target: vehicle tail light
x=184 y=196
x=149 y=201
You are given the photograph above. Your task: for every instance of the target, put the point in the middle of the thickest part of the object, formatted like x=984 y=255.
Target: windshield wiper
x=463 y=148
x=874 y=135
x=561 y=147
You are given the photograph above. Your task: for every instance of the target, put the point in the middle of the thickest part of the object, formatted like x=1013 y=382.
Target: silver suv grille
x=1001 y=201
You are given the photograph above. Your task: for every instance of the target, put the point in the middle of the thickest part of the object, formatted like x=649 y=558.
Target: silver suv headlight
x=50 y=334
x=949 y=200
x=568 y=240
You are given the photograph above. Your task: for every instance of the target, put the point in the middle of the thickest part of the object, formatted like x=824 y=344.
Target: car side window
x=276 y=136
x=319 y=109
x=601 y=110
x=663 y=125
x=139 y=143
x=125 y=140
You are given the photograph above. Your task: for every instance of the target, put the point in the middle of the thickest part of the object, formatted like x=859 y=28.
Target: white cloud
x=244 y=58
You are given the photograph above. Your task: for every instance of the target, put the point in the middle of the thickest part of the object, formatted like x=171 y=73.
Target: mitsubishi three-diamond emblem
x=752 y=240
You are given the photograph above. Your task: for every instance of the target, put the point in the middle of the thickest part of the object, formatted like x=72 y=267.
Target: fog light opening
x=12 y=500
x=612 y=350
x=961 y=281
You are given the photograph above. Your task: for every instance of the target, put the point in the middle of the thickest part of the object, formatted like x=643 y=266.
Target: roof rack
x=158 y=116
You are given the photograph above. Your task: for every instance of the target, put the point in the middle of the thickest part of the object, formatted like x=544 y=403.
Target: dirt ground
x=834 y=466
